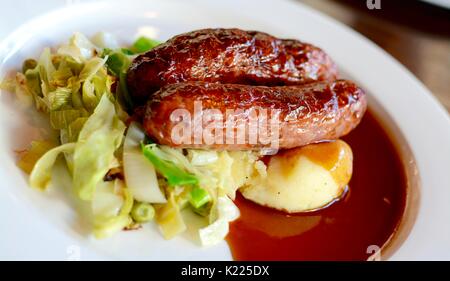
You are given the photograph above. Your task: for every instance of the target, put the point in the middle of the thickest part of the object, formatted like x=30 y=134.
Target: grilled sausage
x=228 y=56
x=180 y=114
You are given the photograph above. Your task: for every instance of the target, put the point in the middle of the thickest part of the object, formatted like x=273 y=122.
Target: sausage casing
x=300 y=114
x=229 y=56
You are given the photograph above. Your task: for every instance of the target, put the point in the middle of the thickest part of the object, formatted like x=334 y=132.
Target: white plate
x=441 y=3
x=40 y=226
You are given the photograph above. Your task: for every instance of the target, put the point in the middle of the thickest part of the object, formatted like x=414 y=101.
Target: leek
x=173 y=174
x=144 y=44
x=199 y=197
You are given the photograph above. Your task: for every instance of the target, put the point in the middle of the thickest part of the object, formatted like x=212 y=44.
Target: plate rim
x=405 y=74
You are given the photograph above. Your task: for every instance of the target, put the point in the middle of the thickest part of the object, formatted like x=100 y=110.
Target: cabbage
x=75 y=128
x=61 y=76
x=41 y=174
x=140 y=175
x=59 y=98
x=117 y=64
x=100 y=137
x=111 y=207
x=63 y=118
x=91 y=67
x=202 y=157
x=218 y=230
x=93 y=86
x=29 y=158
x=169 y=219
x=46 y=68
x=105 y=40
x=79 y=48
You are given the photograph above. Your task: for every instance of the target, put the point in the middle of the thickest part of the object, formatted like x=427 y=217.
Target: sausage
x=180 y=114
x=228 y=56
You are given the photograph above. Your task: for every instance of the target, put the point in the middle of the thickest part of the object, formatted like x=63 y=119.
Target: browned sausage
x=228 y=56
x=306 y=114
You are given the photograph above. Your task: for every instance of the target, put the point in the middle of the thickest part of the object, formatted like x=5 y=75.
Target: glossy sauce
x=368 y=214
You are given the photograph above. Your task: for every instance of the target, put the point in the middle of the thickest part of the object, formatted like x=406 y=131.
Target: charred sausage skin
x=307 y=114
x=229 y=56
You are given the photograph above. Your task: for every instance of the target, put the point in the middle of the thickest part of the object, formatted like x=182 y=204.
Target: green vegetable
x=123 y=87
x=117 y=64
x=41 y=174
x=218 y=229
x=63 y=118
x=100 y=137
x=143 y=44
x=105 y=40
x=46 y=68
x=142 y=212
x=28 y=64
x=116 y=61
x=59 y=98
x=199 y=197
x=33 y=154
x=93 y=89
x=173 y=174
x=202 y=157
x=111 y=207
x=79 y=48
x=139 y=173
x=126 y=51
x=168 y=216
x=74 y=128
x=61 y=75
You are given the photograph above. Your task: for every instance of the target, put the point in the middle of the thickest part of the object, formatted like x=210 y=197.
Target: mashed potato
x=303 y=178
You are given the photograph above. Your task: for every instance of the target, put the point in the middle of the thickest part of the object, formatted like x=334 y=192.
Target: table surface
x=416 y=33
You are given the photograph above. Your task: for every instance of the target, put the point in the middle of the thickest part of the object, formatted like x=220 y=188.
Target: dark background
x=414 y=32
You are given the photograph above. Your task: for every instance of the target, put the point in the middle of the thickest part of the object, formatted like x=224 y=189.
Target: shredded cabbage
x=41 y=174
x=92 y=75
x=169 y=219
x=217 y=230
x=140 y=175
x=105 y=40
x=79 y=48
x=29 y=158
x=111 y=207
x=100 y=137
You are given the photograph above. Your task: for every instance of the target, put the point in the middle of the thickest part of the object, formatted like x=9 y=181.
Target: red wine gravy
x=368 y=214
